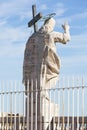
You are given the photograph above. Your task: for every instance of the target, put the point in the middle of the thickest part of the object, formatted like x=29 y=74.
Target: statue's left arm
x=62 y=37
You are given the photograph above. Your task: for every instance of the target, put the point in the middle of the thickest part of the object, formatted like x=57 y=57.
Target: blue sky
x=14 y=16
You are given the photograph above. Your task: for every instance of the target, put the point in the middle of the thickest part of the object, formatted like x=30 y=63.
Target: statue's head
x=48 y=25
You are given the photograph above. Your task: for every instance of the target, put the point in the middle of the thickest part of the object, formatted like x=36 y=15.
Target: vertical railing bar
x=68 y=104
x=63 y=108
x=7 y=109
x=28 y=103
x=44 y=106
x=77 y=105
x=23 y=113
x=59 y=104
x=54 y=110
x=36 y=105
x=17 y=115
x=42 y=98
x=31 y=104
x=22 y=117
x=85 y=102
x=50 y=106
x=5 y=102
x=2 y=107
x=41 y=86
x=11 y=103
x=15 y=106
x=19 y=105
x=63 y=103
x=49 y=111
x=40 y=94
x=1 y=101
x=82 y=104
x=73 y=105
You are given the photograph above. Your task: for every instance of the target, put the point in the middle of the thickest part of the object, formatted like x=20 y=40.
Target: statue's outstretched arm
x=62 y=37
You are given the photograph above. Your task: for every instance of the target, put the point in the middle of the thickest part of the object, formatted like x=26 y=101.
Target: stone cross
x=35 y=18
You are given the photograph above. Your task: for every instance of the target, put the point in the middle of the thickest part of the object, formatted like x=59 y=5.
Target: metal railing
x=63 y=107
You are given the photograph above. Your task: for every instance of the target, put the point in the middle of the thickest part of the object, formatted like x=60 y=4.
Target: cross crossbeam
x=35 y=18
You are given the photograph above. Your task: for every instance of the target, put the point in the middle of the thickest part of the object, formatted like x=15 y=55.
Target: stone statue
x=41 y=68
x=40 y=58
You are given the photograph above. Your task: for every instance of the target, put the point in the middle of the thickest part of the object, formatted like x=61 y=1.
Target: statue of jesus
x=40 y=57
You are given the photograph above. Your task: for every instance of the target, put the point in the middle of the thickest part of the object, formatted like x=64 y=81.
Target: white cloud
x=43 y=7
x=78 y=26
x=80 y=37
x=74 y=64
x=12 y=41
x=59 y=9
x=19 y=8
x=75 y=59
x=2 y=22
x=78 y=16
x=59 y=12
x=11 y=34
x=11 y=51
x=78 y=42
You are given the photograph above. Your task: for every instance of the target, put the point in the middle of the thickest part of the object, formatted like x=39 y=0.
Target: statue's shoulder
x=34 y=35
x=31 y=38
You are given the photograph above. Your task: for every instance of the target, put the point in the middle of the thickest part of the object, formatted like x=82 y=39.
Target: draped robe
x=40 y=57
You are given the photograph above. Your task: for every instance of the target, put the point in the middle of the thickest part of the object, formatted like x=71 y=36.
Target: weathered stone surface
x=40 y=56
